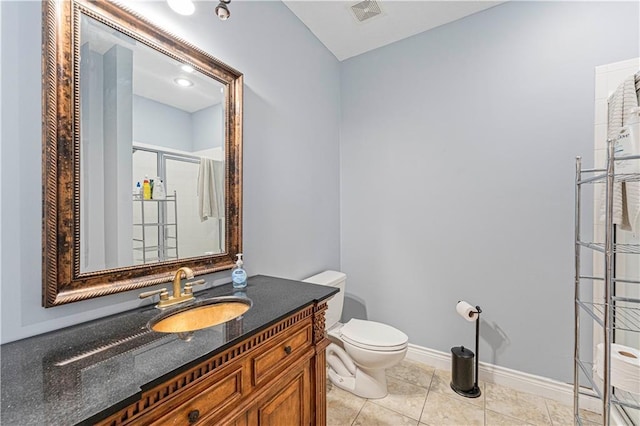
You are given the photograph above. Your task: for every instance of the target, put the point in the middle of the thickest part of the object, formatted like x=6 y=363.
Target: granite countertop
x=87 y=371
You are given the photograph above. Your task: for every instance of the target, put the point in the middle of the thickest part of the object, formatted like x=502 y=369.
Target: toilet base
x=345 y=374
x=370 y=385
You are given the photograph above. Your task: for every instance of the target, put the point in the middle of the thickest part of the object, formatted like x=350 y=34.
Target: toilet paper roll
x=466 y=311
x=625 y=367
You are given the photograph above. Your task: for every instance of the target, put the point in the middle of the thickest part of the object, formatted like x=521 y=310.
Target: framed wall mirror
x=142 y=154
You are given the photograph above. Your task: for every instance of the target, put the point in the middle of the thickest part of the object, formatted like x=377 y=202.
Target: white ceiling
x=334 y=24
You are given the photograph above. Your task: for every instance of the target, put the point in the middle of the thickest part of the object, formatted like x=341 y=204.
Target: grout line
x=484 y=405
x=548 y=412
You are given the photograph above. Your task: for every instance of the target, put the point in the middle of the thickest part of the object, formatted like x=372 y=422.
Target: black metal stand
x=474 y=392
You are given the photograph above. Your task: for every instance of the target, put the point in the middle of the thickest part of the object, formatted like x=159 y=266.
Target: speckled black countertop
x=85 y=372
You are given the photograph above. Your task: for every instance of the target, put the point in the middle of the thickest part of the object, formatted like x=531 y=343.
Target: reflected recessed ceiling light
x=183 y=82
x=183 y=7
x=187 y=68
x=222 y=10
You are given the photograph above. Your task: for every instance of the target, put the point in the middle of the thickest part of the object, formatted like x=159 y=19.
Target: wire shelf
x=622 y=309
x=151 y=248
x=617 y=248
x=618 y=178
x=625 y=318
x=619 y=397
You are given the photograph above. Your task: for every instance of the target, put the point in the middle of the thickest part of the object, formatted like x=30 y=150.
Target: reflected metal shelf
x=150 y=200
x=153 y=247
x=155 y=224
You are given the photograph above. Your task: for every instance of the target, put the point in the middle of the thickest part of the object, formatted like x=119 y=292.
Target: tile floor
x=420 y=395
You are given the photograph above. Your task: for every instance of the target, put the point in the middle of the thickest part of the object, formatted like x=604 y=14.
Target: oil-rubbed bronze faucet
x=178 y=296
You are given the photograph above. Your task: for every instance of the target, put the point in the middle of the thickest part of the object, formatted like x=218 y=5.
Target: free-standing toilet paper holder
x=474 y=391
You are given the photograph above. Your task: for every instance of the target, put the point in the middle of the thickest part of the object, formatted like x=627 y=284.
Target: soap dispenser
x=239 y=275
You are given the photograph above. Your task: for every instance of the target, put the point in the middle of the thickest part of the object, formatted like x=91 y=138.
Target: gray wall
x=159 y=124
x=208 y=127
x=458 y=154
x=162 y=125
x=291 y=151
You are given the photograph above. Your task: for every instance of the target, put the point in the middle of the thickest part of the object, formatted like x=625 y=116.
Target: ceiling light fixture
x=183 y=7
x=187 y=68
x=180 y=81
x=222 y=10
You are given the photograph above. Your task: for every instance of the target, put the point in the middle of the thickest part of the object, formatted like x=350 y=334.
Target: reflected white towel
x=210 y=189
x=621 y=103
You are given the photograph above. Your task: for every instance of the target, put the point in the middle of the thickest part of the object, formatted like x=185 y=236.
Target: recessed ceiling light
x=183 y=82
x=183 y=7
x=187 y=68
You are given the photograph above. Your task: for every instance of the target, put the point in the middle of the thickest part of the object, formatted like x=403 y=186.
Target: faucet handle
x=162 y=292
x=188 y=287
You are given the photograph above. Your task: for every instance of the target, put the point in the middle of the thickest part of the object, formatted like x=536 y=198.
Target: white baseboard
x=520 y=381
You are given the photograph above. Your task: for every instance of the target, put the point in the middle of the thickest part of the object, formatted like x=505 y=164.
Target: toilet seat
x=373 y=336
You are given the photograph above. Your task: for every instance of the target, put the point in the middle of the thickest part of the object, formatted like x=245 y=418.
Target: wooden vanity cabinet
x=273 y=377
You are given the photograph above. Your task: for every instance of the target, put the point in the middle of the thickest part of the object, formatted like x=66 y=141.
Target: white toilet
x=361 y=350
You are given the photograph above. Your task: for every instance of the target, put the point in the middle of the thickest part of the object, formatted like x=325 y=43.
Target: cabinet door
x=241 y=420
x=290 y=405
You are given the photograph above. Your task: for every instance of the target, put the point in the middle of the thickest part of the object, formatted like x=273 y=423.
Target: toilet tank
x=334 y=305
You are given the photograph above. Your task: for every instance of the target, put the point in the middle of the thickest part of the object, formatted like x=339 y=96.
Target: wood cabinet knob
x=287 y=349
x=193 y=416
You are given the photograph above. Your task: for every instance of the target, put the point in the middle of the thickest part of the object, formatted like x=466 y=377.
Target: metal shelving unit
x=606 y=313
x=166 y=247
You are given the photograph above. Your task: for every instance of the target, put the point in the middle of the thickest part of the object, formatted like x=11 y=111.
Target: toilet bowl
x=360 y=350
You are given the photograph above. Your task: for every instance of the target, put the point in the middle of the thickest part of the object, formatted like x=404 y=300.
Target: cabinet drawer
x=274 y=358
x=205 y=400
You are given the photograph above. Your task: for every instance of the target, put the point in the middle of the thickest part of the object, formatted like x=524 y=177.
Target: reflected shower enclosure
x=171 y=228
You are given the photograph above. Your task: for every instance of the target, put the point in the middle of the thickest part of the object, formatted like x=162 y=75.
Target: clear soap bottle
x=239 y=275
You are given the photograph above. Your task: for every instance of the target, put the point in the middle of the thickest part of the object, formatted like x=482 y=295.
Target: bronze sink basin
x=199 y=315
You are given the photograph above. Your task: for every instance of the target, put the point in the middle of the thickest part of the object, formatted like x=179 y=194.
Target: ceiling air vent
x=366 y=9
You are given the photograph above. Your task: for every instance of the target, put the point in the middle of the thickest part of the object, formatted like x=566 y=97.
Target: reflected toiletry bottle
x=239 y=275
x=137 y=192
x=159 y=192
x=146 y=189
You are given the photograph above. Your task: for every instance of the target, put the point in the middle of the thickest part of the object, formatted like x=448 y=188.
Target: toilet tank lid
x=328 y=278
x=373 y=333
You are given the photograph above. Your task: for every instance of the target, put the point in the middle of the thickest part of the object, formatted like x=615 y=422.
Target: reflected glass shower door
x=197 y=238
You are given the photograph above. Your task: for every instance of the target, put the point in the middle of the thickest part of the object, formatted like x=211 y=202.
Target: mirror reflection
x=151 y=154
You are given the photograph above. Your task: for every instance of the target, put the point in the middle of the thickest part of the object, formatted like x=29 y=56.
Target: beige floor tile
x=516 y=404
x=375 y=415
x=560 y=414
x=342 y=406
x=589 y=417
x=441 y=409
x=404 y=398
x=441 y=383
x=413 y=372
x=496 y=419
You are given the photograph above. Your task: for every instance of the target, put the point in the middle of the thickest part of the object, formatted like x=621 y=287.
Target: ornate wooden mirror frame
x=63 y=282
